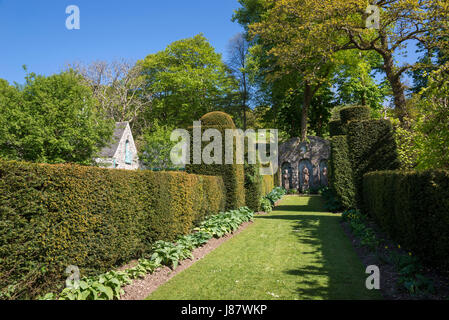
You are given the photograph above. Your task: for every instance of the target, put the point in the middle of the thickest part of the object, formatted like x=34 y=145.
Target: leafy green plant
x=265 y=205
x=276 y=194
x=332 y=203
x=108 y=286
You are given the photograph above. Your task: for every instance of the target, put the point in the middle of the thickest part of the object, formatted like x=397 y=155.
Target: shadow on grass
x=330 y=269
x=314 y=204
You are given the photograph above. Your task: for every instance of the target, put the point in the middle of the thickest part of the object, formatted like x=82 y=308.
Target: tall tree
x=187 y=80
x=52 y=120
x=355 y=83
x=335 y=25
x=118 y=88
x=310 y=60
x=238 y=51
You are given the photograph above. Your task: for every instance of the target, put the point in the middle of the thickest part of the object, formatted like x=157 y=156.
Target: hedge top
x=218 y=118
x=355 y=113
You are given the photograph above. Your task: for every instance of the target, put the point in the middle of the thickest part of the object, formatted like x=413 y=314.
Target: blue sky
x=33 y=33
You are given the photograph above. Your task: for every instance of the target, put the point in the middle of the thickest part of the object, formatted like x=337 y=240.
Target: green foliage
x=253 y=186
x=169 y=254
x=60 y=215
x=354 y=113
x=332 y=201
x=233 y=174
x=412 y=207
x=372 y=147
x=336 y=128
x=155 y=147
x=341 y=176
x=406 y=146
x=276 y=194
x=187 y=80
x=433 y=125
x=227 y=222
x=267 y=184
x=407 y=265
x=51 y=120
x=265 y=205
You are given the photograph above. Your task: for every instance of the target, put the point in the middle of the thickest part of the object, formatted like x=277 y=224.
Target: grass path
x=296 y=252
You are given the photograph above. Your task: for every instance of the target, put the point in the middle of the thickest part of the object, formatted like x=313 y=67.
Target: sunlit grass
x=296 y=252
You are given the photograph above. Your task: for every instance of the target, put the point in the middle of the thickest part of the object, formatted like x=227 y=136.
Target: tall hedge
x=268 y=184
x=372 y=147
x=413 y=208
x=341 y=175
x=354 y=113
x=233 y=174
x=52 y=216
x=367 y=145
x=335 y=128
x=253 y=186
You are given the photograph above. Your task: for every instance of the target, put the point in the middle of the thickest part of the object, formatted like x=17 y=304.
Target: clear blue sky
x=33 y=32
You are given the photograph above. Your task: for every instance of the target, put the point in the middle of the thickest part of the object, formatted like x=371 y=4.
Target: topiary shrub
x=354 y=113
x=53 y=216
x=267 y=184
x=413 y=208
x=335 y=128
x=341 y=176
x=233 y=174
x=372 y=147
x=253 y=186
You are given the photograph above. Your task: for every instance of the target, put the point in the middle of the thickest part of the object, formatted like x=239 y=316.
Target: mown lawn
x=296 y=252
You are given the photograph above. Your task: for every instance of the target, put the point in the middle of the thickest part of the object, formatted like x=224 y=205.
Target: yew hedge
x=53 y=216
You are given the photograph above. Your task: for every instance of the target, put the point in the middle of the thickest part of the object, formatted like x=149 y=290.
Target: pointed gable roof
x=109 y=151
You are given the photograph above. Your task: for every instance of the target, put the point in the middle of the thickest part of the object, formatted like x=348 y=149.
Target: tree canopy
x=52 y=120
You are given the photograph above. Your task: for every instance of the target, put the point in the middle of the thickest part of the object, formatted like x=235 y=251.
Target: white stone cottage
x=121 y=153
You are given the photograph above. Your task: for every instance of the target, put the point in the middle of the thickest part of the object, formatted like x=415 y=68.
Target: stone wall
x=313 y=154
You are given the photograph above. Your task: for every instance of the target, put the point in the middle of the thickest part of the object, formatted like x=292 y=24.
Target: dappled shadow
x=329 y=271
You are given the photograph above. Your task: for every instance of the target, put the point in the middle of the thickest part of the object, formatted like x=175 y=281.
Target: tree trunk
x=305 y=110
x=398 y=88
x=245 y=94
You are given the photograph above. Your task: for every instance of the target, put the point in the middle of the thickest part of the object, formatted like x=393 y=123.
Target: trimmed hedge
x=268 y=184
x=335 y=128
x=413 y=208
x=52 y=216
x=253 y=186
x=233 y=174
x=341 y=176
x=367 y=145
x=372 y=147
x=354 y=113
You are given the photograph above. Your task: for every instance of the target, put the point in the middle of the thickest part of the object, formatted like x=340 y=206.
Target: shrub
x=265 y=205
x=413 y=208
x=341 y=177
x=267 y=184
x=253 y=186
x=354 y=113
x=335 y=128
x=276 y=194
x=59 y=215
x=232 y=174
x=372 y=147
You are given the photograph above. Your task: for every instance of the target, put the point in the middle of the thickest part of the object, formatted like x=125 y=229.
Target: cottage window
x=128 y=155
